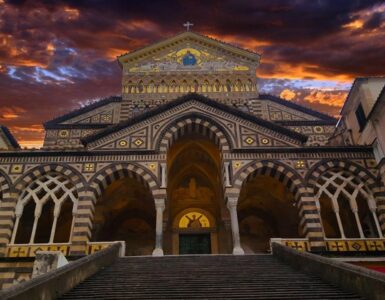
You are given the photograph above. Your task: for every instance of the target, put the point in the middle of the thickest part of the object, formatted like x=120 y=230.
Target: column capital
x=160 y=204
x=231 y=202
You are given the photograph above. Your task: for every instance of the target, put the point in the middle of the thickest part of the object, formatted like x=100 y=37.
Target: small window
x=361 y=118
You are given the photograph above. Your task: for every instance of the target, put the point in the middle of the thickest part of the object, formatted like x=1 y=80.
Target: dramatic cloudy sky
x=58 y=55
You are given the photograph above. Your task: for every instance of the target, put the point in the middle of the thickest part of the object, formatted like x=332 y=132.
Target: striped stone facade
x=255 y=135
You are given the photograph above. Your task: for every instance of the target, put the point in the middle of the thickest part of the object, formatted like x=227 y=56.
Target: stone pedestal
x=46 y=261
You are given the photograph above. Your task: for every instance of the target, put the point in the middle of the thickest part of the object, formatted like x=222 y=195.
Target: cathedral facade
x=190 y=159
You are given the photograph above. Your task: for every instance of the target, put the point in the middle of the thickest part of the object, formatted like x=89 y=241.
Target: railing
x=298 y=244
x=29 y=250
x=335 y=245
x=367 y=283
x=355 y=245
x=53 y=284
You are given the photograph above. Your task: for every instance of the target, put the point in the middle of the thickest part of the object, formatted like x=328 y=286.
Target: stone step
x=204 y=277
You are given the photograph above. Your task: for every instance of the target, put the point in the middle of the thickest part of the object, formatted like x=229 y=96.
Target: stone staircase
x=204 y=277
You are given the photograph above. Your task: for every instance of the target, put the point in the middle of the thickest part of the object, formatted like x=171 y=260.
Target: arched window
x=44 y=211
x=173 y=87
x=347 y=206
x=131 y=87
x=140 y=87
x=162 y=87
x=184 y=87
x=239 y=86
x=205 y=87
x=217 y=86
x=228 y=85
x=249 y=85
x=195 y=86
x=151 y=87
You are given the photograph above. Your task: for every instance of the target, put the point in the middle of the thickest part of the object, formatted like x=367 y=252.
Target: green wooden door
x=195 y=243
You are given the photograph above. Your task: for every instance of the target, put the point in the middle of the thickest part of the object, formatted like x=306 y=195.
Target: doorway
x=196 y=243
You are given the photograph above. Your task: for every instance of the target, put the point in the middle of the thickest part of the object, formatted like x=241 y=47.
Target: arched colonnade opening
x=195 y=206
x=347 y=206
x=125 y=211
x=266 y=209
x=45 y=211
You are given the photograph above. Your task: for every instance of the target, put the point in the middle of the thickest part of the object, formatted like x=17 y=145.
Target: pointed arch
x=47 y=185
x=354 y=182
x=151 y=87
x=39 y=171
x=100 y=181
x=5 y=184
x=324 y=165
x=228 y=86
x=141 y=87
x=173 y=87
x=283 y=173
x=217 y=86
x=194 y=123
x=205 y=87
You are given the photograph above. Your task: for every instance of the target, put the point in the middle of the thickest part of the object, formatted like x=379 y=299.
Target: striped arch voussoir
x=317 y=170
x=106 y=176
x=39 y=171
x=281 y=172
x=5 y=184
x=194 y=124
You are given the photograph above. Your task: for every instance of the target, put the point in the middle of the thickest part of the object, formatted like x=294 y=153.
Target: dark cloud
x=56 y=54
x=374 y=21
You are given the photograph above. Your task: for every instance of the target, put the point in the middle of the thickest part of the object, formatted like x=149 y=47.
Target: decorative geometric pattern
x=249 y=140
x=89 y=167
x=123 y=143
x=16 y=169
x=300 y=164
x=355 y=245
x=30 y=251
x=138 y=142
x=64 y=133
x=334 y=183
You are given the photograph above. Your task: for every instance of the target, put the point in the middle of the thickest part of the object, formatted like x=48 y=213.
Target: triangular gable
x=7 y=140
x=152 y=50
x=244 y=130
x=294 y=111
x=99 y=113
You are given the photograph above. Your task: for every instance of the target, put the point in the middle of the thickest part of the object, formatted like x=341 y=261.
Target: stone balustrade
x=29 y=250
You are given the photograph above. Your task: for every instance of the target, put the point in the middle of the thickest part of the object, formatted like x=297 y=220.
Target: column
x=34 y=227
x=232 y=206
x=336 y=210
x=227 y=174
x=163 y=175
x=354 y=208
x=373 y=208
x=18 y=213
x=56 y=213
x=159 y=206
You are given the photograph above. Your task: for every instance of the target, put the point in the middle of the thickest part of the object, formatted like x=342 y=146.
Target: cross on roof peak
x=188 y=25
